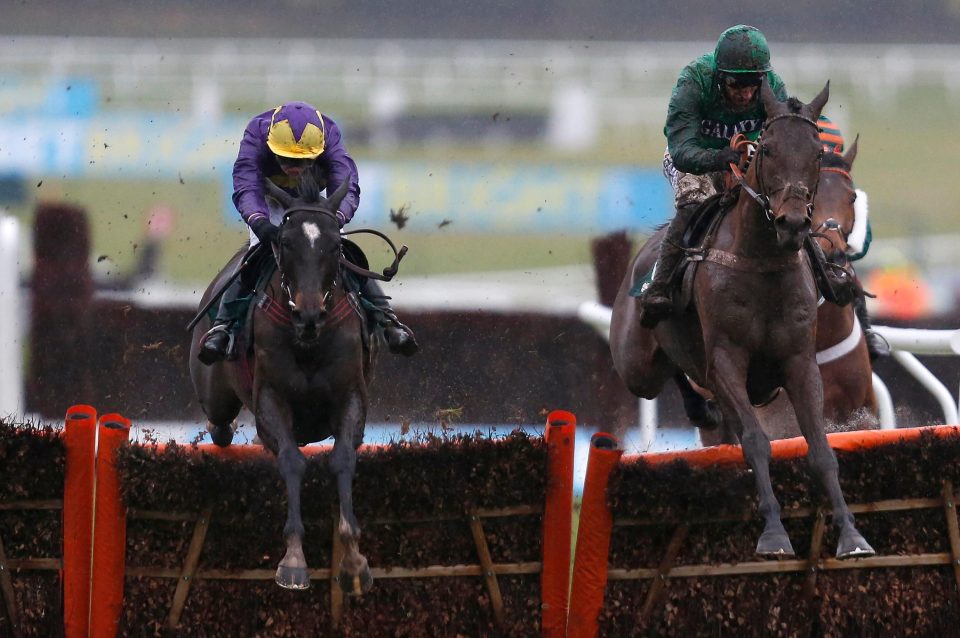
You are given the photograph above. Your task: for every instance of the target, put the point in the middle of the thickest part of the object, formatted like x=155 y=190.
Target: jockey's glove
x=725 y=157
x=265 y=231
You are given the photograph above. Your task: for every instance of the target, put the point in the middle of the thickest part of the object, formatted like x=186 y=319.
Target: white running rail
x=11 y=351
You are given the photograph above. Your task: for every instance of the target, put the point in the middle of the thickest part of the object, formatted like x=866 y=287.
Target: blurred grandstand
x=535 y=118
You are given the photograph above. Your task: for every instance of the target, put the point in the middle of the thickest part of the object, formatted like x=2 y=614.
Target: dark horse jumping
x=842 y=353
x=749 y=328
x=309 y=372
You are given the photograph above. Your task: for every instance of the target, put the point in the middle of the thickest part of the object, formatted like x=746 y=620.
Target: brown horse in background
x=841 y=345
x=749 y=328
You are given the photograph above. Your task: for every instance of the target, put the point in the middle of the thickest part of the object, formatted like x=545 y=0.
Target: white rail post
x=11 y=355
x=885 y=412
x=647 y=419
x=931 y=383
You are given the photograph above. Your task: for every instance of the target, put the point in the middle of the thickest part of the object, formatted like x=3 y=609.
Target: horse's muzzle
x=792 y=229
x=307 y=325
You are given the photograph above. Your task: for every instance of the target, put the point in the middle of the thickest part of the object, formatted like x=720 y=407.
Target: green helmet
x=742 y=49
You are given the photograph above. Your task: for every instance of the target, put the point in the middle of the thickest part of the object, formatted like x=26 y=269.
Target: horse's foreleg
x=728 y=377
x=292 y=571
x=806 y=394
x=355 y=577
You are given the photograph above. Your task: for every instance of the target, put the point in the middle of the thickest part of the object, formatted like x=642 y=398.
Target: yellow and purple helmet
x=296 y=131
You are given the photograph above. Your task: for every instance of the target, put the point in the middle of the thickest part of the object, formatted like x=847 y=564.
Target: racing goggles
x=742 y=80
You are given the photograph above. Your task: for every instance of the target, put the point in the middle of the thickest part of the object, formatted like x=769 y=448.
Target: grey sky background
x=841 y=21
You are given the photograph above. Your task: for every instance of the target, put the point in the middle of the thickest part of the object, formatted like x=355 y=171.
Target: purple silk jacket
x=255 y=160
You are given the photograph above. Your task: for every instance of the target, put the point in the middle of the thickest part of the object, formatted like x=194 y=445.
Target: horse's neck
x=751 y=234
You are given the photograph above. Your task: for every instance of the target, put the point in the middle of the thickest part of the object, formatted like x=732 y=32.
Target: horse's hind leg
x=728 y=375
x=355 y=576
x=804 y=385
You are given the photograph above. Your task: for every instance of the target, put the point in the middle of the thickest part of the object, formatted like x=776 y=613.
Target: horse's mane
x=834 y=160
x=794 y=105
x=309 y=188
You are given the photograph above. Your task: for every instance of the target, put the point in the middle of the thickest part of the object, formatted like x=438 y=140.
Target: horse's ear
x=277 y=193
x=819 y=102
x=339 y=194
x=769 y=99
x=851 y=153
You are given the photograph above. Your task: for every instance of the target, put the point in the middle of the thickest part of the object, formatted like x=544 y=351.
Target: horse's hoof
x=356 y=584
x=775 y=545
x=853 y=545
x=293 y=577
x=221 y=435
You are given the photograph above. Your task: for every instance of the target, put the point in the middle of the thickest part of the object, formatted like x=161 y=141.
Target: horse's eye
x=764 y=150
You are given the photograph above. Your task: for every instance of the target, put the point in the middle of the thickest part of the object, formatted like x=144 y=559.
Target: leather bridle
x=761 y=196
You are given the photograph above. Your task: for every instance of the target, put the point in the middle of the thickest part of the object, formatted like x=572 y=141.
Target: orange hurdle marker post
x=79 y=438
x=560 y=435
x=109 y=530
x=593 y=538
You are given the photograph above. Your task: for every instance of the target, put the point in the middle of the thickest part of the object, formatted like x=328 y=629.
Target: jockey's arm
x=340 y=167
x=248 y=195
x=684 y=117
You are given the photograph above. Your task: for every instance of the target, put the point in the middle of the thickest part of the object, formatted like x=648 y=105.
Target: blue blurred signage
x=508 y=197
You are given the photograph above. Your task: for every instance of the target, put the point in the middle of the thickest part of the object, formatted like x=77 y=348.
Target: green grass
x=202 y=241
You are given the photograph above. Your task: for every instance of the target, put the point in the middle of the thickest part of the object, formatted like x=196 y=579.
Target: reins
x=341 y=310
x=388 y=273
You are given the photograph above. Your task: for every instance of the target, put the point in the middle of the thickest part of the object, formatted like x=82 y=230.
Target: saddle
x=694 y=241
x=834 y=283
x=697 y=238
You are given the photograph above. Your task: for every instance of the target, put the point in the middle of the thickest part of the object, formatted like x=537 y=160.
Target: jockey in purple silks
x=279 y=145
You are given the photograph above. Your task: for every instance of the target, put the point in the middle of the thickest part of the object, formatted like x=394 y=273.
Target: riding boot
x=656 y=296
x=217 y=344
x=400 y=338
x=877 y=346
